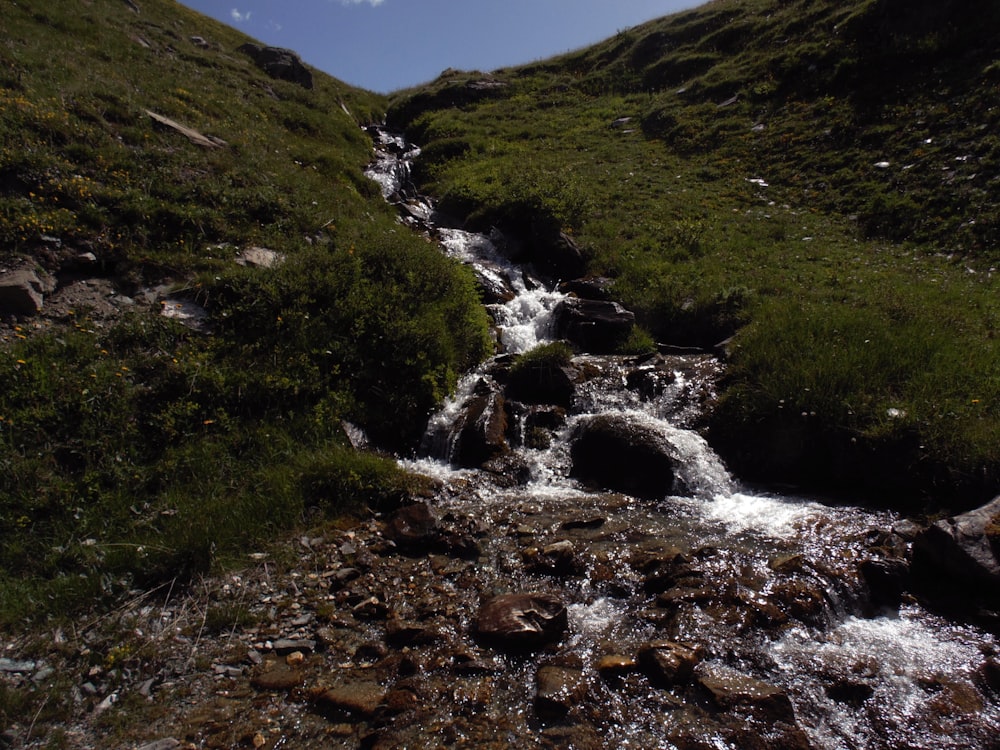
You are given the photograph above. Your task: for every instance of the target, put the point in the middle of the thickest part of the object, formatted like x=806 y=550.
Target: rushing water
x=856 y=675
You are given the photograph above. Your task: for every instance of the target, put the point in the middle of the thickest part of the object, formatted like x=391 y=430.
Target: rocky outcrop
x=623 y=455
x=957 y=560
x=596 y=326
x=279 y=63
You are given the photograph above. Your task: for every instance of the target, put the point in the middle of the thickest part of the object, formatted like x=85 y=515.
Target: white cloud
x=372 y=3
x=242 y=17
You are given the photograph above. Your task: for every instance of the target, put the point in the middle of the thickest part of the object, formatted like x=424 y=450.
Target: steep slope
x=819 y=176
x=143 y=154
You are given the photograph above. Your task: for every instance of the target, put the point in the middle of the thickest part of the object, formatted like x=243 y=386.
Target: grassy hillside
x=132 y=449
x=818 y=178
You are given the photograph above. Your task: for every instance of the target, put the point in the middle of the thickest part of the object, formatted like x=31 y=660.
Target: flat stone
x=285 y=646
x=729 y=689
x=360 y=699
x=277 y=676
x=616 y=665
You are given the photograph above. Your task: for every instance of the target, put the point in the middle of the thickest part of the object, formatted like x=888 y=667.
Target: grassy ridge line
x=818 y=178
x=134 y=450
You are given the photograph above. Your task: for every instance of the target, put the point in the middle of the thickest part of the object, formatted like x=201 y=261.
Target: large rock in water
x=960 y=555
x=279 y=63
x=522 y=621
x=623 y=455
x=481 y=430
x=596 y=326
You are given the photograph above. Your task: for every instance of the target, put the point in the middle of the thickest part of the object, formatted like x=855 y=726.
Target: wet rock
x=577 y=737
x=728 y=689
x=558 y=689
x=522 y=621
x=596 y=326
x=613 y=666
x=801 y=599
x=853 y=692
x=595 y=288
x=279 y=63
x=357 y=699
x=167 y=743
x=508 y=470
x=342 y=577
x=887 y=580
x=621 y=454
x=401 y=633
x=481 y=430
x=413 y=528
x=787 y=563
x=559 y=558
x=583 y=523
x=543 y=383
x=494 y=287
x=277 y=675
x=667 y=663
x=957 y=557
x=651 y=378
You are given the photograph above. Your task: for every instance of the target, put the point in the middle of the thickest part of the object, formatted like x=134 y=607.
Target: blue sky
x=385 y=45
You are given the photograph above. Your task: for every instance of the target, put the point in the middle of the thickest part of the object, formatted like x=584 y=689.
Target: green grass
x=855 y=290
x=136 y=451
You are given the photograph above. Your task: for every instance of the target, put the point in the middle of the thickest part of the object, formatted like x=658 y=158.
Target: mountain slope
x=142 y=154
x=819 y=177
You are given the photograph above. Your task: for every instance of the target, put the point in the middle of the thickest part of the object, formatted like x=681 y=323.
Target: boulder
x=596 y=326
x=22 y=292
x=544 y=383
x=555 y=253
x=279 y=63
x=522 y=621
x=622 y=455
x=481 y=430
x=960 y=554
x=494 y=286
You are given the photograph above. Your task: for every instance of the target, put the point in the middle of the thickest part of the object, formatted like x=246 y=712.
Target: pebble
x=16 y=666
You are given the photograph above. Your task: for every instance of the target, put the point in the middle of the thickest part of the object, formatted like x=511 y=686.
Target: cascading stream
x=766 y=586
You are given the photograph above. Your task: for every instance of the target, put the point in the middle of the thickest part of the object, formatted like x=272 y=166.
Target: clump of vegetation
x=781 y=171
x=135 y=450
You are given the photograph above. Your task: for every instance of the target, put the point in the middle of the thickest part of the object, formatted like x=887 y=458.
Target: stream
x=710 y=615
